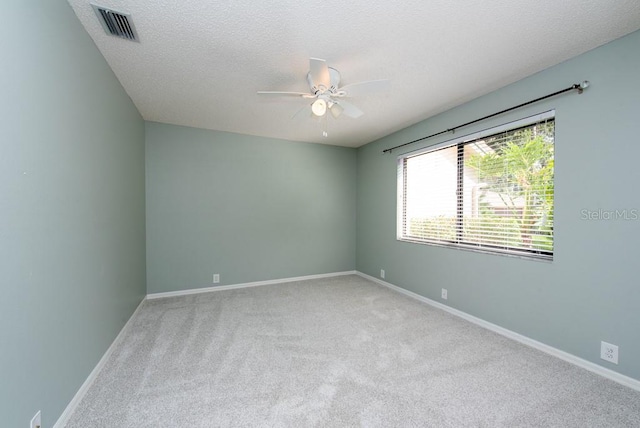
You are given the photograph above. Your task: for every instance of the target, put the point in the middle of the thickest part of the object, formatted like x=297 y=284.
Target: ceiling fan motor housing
x=334 y=78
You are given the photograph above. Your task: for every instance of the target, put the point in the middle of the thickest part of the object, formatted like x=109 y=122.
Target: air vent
x=116 y=23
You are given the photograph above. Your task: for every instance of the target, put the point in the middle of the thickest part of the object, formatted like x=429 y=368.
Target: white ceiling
x=199 y=63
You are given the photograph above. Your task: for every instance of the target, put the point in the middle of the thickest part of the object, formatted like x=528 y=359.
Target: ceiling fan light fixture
x=319 y=107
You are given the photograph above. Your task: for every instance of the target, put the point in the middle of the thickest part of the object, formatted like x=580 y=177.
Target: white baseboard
x=71 y=407
x=588 y=365
x=248 y=284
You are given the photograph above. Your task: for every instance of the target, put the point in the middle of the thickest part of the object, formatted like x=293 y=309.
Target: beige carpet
x=335 y=352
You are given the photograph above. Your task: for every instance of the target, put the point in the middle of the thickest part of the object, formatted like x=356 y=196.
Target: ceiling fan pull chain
x=324 y=132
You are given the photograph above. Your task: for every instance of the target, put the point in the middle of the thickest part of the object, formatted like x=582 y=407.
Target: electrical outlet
x=382 y=273
x=444 y=293
x=36 y=421
x=609 y=352
x=216 y=278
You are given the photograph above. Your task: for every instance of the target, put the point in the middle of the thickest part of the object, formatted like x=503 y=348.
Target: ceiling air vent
x=116 y=23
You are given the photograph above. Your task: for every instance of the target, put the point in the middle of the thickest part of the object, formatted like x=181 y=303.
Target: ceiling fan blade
x=319 y=72
x=296 y=94
x=350 y=110
x=366 y=88
x=336 y=110
x=303 y=113
x=334 y=77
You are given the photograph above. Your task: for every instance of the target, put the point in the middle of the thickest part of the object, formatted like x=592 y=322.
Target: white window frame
x=530 y=120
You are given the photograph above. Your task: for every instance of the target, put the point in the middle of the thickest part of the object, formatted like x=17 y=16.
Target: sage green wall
x=72 y=260
x=591 y=291
x=247 y=208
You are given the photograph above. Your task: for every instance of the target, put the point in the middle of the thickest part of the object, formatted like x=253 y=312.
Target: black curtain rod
x=580 y=87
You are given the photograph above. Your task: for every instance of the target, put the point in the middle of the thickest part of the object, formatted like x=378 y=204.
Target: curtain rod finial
x=582 y=86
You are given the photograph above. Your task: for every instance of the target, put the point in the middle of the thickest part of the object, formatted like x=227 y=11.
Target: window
x=491 y=191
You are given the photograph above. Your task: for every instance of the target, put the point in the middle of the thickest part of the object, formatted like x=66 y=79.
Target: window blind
x=492 y=193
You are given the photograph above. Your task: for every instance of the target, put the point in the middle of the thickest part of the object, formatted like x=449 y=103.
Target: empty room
x=319 y=214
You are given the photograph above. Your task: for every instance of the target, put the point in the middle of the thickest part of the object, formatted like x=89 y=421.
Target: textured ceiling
x=199 y=63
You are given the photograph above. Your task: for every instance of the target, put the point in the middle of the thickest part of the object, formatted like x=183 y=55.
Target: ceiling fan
x=327 y=95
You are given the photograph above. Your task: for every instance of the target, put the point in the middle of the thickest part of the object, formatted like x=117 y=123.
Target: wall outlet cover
x=609 y=352
x=444 y=293
x=382 y=273
x=216 y=278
